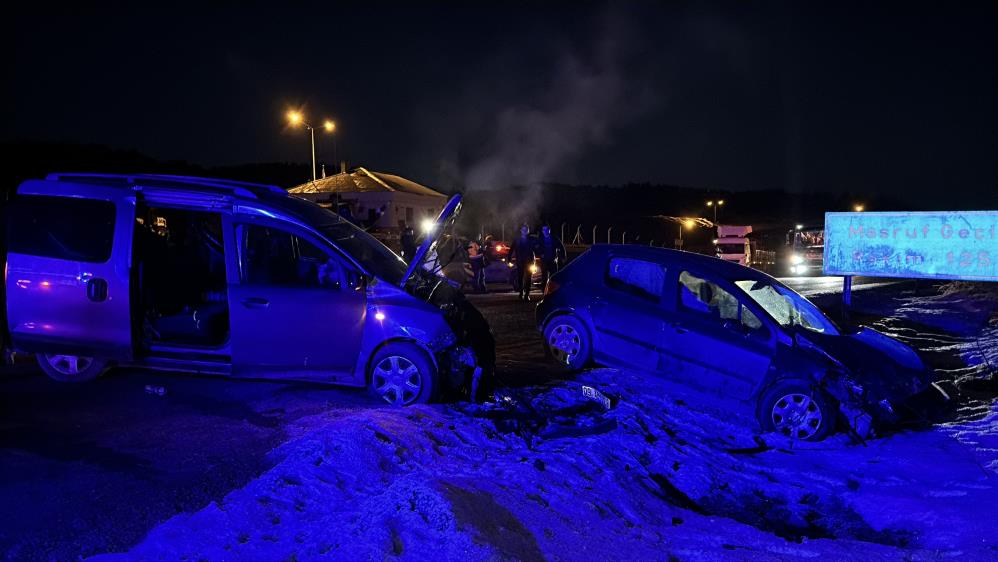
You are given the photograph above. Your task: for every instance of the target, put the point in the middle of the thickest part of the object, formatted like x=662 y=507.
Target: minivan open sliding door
x=68 y=261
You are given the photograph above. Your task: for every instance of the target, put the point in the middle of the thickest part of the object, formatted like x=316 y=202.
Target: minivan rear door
x=67 y=277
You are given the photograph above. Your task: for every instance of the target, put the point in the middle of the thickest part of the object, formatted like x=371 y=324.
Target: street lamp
x=295 y=118
x=715 y=205
x=858 y=208
x=686 y=223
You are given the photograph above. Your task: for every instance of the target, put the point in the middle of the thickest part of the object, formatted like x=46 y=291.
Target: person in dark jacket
x=408 y=243
x=552 y=253
x=522 y=254
x=477 y=259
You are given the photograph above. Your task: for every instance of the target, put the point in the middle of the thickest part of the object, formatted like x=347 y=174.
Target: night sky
x=891 y=99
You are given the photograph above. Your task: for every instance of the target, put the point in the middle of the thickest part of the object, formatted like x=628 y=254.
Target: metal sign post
x=846 y=295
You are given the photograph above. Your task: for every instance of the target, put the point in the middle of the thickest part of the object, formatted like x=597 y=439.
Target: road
x=93 y=467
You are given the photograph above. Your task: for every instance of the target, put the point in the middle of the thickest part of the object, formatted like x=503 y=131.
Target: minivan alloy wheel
x=69 y=365
x=397 y=380
x=797 y=415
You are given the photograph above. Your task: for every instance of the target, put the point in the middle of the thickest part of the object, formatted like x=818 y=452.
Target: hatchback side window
x=640 y=278
x=275 y=257
x=705 y=297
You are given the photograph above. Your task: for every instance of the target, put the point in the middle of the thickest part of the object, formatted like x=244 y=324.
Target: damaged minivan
x=735 y=331
x=231 y=278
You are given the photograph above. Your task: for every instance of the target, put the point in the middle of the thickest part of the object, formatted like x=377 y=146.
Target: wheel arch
x=397 y=339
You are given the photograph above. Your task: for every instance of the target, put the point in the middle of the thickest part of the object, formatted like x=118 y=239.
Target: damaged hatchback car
x=732 y=330
x=230 y=278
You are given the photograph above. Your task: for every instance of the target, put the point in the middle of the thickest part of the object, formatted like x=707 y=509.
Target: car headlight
x=796 y=260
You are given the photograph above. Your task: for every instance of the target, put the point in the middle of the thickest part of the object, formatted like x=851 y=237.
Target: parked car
x=733 y=330
x=216 y=276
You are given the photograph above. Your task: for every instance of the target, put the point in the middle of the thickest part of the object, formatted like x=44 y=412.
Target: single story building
x=380 y=202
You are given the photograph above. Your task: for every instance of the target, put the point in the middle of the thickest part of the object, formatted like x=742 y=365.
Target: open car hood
x=444 y=220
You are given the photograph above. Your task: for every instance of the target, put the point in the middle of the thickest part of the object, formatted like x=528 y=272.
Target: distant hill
x=627 y=209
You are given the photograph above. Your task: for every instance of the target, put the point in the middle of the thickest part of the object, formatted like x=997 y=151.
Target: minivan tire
x=798 y=410
x=401 y=373
x=71 y=368
x=567 y=341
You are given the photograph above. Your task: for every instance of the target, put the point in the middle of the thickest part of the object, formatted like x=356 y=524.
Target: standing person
x=408 y=242
x=522 y=254
x=477 y=259
x=552 y=254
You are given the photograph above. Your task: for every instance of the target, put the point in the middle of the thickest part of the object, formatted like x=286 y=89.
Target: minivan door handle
x=256 y=302
x=97 y=289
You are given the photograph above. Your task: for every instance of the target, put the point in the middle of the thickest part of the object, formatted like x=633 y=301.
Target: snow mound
x=666 y=474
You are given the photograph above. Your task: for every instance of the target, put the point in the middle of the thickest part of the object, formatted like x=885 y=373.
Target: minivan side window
x=640 y=278
x=705 y=297
x=274 y=257
x=65 y=228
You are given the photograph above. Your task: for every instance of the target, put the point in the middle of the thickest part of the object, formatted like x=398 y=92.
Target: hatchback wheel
x=797 y=410
x=402 y=374
x=567 y=341
x=71 y=368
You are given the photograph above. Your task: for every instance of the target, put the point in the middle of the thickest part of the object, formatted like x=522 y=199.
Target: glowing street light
x=858 y=208
x=295 y=119
x=715 y=205
x=428 y=225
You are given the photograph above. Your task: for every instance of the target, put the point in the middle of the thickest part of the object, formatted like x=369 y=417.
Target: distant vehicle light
x=379 y=316
x=800 y=226
x=534 y=269
x=510 y=264
x=428 y=225
x=715 y=241
x=796 y=260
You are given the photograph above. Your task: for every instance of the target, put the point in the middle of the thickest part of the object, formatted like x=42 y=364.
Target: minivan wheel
x=797 y=410
x=71 y=368
x=402 y=374
x=567 y=340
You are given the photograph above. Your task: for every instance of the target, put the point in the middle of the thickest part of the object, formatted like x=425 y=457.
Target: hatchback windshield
x=787 y=307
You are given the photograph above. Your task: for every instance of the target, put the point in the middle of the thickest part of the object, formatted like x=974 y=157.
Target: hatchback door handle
x=256 y=302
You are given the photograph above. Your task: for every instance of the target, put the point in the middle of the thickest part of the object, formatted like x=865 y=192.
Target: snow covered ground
x=667 y=474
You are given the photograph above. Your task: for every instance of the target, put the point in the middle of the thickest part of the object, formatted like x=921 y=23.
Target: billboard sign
x=929 y=245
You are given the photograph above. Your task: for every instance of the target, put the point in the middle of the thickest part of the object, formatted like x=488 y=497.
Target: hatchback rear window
x=640 y=278
x=65 y=228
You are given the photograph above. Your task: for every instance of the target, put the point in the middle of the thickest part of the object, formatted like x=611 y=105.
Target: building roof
x=362 y=180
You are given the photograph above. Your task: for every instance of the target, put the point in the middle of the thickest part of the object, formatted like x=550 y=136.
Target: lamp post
x=715 y=205
x=295 y=118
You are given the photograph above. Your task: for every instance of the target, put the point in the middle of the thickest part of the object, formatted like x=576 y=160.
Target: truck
x=807 y=249
x=733 y=245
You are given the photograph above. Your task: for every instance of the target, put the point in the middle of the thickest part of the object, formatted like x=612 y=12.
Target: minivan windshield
x=361 y=246
x=787 y=307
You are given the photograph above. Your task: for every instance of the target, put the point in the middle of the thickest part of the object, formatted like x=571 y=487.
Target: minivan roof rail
x=161 y=180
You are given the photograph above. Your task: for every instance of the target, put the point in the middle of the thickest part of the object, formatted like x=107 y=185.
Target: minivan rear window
x=65 y=228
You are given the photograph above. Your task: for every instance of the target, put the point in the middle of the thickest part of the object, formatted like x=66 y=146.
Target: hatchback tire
x=71 y=368
x=567 y=341
x=401 y=374
x=798 y=410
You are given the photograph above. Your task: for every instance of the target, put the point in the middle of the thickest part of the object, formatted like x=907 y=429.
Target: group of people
x=545 y=247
